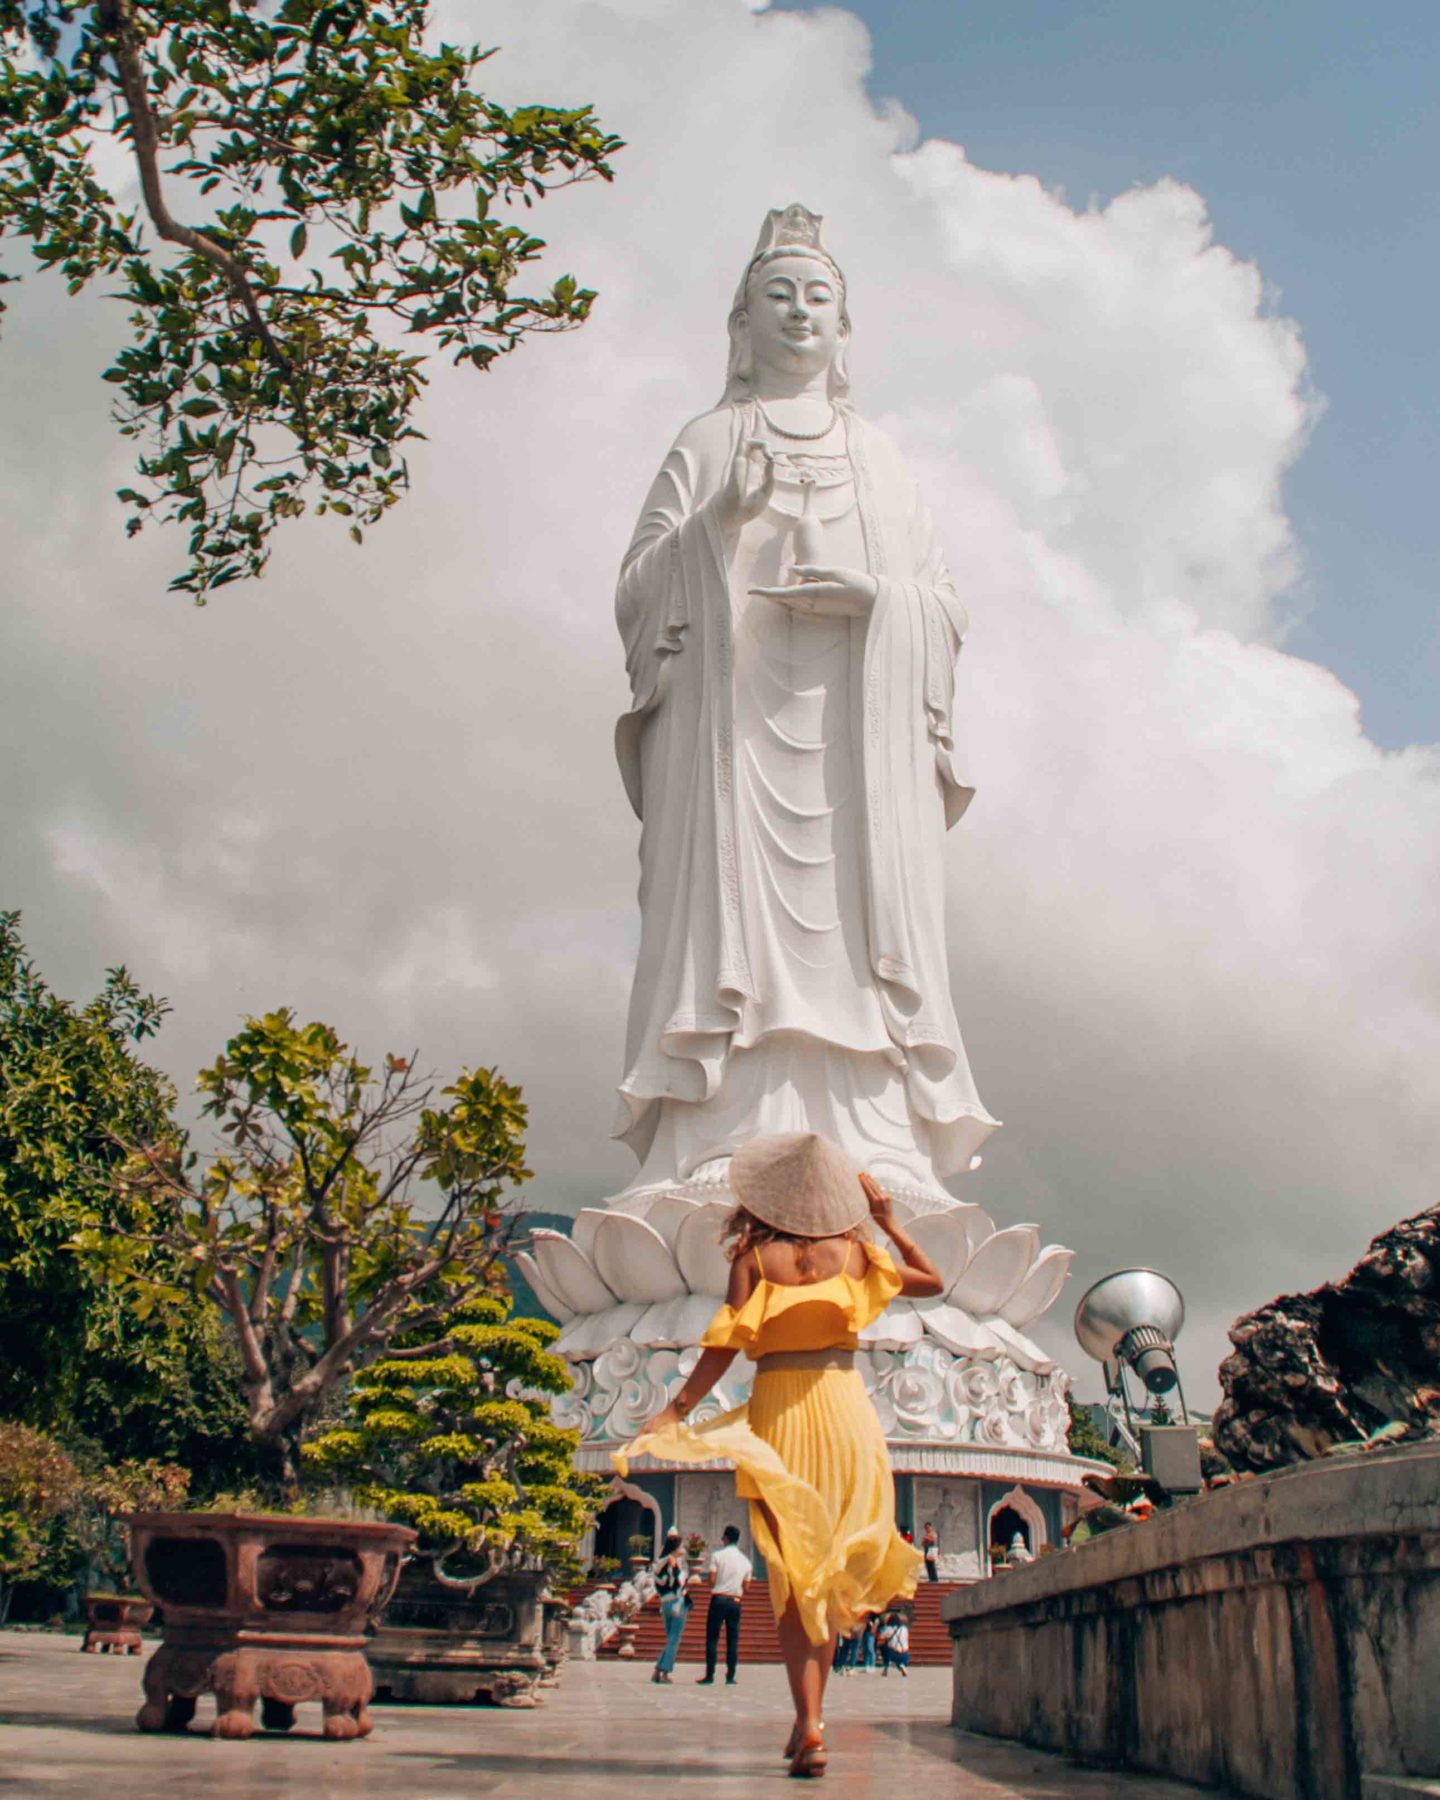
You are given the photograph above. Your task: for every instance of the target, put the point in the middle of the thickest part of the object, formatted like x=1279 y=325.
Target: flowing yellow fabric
x=807 y=1450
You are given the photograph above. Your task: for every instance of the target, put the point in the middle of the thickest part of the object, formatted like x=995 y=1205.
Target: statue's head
x=789 y=313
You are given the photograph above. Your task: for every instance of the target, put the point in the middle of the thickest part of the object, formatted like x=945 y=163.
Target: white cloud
x=1193 y=907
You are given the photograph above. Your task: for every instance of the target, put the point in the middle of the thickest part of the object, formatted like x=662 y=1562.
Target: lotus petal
x=667 y=1213
x=674 y=1324
x=995 y=1270
x=957 y=1331
x=635 y=1260
x=587 y=1223
x=1040 y=1287
x=591 y=1334
x=1021 y=1350
x=570 y=1272
x=703 y=1263
x=945 y=1239
x=898 y=1326
x=979 y=1227
x=544 y=1293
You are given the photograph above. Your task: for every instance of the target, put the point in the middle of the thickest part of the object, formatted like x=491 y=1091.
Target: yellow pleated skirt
x=810 y=1458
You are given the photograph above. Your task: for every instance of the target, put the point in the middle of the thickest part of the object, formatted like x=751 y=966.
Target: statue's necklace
x=799 y=437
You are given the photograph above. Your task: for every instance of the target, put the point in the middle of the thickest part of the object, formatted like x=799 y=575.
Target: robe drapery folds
x=676 y=752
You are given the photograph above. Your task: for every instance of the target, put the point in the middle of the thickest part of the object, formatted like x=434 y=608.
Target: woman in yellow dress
x=808 y=1451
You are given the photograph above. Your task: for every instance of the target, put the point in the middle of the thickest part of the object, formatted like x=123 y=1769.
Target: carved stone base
x=280 y=1676
x=444 y=1647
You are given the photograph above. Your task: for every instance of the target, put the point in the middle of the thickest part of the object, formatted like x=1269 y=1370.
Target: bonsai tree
x=455 y=1439
x=325 y=200
x=38 y=1481
x=604 y=1568
x=346 y=1211
x=639 y=1547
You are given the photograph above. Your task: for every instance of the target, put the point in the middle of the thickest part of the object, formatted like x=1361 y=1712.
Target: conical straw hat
x=798 y=1182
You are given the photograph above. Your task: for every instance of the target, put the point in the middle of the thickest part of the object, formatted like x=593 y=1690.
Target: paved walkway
x=66 y=1727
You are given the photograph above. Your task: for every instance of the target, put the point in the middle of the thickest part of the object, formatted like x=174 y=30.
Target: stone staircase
x=759 y=1641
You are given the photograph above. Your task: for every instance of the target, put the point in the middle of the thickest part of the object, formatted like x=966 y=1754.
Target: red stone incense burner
x=262 y=1607
x=113 y=1623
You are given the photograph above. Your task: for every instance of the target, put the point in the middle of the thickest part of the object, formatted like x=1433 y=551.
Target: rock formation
x=1353 y=1358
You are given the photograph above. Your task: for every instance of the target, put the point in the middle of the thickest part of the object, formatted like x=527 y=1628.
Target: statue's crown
x=789 y=227
x=792 y=230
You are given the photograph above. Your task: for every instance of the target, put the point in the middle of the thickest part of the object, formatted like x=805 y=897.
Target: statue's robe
x=676 y=752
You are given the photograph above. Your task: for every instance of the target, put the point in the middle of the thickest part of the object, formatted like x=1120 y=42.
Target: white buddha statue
x=791 y=632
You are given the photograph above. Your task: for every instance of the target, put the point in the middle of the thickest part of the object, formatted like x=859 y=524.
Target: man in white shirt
x=729 y=1571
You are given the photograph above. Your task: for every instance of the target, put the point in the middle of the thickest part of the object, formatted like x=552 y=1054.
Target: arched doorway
x=1015 y=1512
x=631 y=1513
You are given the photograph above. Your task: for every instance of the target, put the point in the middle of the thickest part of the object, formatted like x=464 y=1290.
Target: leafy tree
x=455 y=1438
x=37 y=1482
x=73 y=1359
x=358 y=201
x=1086 y=1439
x=343 y=1210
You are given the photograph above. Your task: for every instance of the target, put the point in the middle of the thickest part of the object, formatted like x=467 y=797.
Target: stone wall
x=1280 y=1637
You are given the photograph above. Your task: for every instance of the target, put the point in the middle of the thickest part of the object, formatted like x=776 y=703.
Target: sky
x=1192 y=909
x=1312 y=128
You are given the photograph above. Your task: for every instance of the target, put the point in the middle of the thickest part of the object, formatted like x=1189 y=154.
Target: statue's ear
x=742 y=362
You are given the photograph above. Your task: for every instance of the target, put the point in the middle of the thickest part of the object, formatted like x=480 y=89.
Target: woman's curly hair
x=742 y=1232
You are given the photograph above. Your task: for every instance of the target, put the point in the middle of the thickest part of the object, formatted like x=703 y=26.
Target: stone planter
x=262 y=1607
x=113 y=1622
x=554 y=1639
x=441 y=1645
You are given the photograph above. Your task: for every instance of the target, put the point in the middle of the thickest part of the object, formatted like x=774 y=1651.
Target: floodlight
x=1131 y=1319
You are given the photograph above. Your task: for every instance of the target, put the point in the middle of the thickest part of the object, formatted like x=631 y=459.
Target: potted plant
x=603 y=1570
x=455 y=1439
x=639 y=1548
x=695 y=1548
x=114 y=1614
x=345 y=1208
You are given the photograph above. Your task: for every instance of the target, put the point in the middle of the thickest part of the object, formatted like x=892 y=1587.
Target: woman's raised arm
x=919 y=1277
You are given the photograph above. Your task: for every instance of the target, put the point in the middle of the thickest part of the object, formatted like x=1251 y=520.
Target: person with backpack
x=672 y=1579
x=895 y=1641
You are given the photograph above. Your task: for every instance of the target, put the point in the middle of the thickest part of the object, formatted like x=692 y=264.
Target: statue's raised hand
x=832 y=593
x=748 y=486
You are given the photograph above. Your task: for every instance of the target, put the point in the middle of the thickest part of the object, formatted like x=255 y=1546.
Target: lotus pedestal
x=973 y=1410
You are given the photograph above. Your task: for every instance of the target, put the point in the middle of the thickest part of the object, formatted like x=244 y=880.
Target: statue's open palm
x=826 y=592
x=748 y=487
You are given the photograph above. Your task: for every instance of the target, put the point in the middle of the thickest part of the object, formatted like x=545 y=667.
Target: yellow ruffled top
x=815 y=1315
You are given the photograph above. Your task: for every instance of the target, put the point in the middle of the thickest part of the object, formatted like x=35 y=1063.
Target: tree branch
x=115 y=21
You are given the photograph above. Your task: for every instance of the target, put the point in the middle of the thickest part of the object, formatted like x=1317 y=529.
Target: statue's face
x=793 y=307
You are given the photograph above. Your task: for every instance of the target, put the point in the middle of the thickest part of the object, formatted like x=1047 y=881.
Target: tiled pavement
x=66 y=1727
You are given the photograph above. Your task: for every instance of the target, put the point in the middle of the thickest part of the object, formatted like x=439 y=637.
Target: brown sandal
x=809 y=1759
x=792 y=1743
